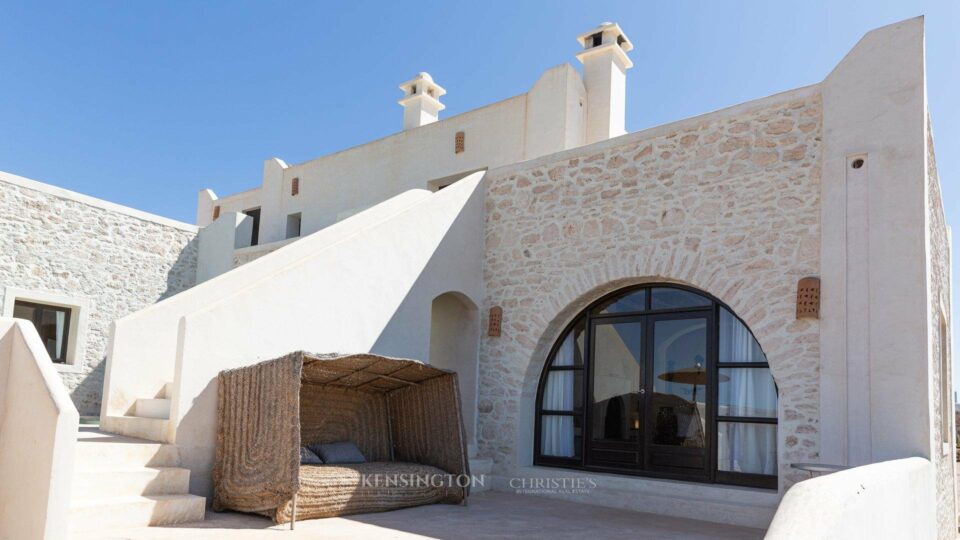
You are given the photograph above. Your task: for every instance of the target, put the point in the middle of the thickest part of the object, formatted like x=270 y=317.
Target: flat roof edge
x=74 y=196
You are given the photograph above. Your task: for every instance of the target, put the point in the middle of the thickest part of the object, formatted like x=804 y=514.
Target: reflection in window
x=660 y=380
x=669 y=298
x=747 y=392
x=636 y=301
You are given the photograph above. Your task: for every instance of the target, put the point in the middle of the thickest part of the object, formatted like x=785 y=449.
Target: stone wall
x=120 y=260
x=726 y=202
x=939 y=269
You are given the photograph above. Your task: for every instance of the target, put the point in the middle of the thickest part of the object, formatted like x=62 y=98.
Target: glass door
x=616 y=374
x=676 y=397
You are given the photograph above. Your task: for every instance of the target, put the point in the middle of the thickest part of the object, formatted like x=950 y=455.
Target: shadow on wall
x=438 y=321
x=88 y=394
x=183 y=273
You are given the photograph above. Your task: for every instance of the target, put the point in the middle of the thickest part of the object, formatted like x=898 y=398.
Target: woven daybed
x=403 y=415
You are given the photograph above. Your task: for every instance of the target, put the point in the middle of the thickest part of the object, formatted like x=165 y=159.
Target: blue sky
x=145 y=103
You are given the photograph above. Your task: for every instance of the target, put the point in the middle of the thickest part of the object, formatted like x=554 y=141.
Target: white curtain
x=736 y=342
x=748 y=448
x=745 y=447
x=557 y=437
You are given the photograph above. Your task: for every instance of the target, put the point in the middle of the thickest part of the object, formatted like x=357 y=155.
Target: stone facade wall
x=728 y=203
x=121 y=263
x=939 y=268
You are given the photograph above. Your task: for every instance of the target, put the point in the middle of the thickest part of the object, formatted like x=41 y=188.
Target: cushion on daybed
x=308 y=457
x=338 y=452
x=338 y=490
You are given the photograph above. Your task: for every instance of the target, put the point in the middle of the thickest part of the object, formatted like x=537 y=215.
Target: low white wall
x=218 y=241
x=369 y=288
x=38 y=433
x=143 y=350
x=892 y=499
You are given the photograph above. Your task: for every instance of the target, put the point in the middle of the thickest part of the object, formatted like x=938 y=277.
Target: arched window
x=659 y=380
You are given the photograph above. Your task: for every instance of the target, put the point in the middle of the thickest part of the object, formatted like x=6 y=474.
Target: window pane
x=679 y=382
x=51 y=323
x=737 y=344
x=747 y=392
x=747 y=448
x=665 y=298
x=616 y=381
x=561 y=436
x=53 y=331
x=570 y=352
x=635 y=301
x=563 y=391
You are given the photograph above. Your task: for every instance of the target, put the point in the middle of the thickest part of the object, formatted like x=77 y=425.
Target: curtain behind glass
x=737 y=344
x=557 y=436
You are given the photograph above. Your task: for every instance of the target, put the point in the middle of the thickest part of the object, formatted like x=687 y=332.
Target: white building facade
x=687 y=312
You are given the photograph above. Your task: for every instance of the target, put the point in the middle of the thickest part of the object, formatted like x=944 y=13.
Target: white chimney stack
x=421 y=101
x=605 y=65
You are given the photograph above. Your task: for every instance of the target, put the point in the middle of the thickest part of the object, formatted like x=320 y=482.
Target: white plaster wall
x=887 y=500
x=555 y=112
x=114 y=260
x=218 y=241
x=38 y=424
x=605 y=78
x=367 y=289
x=455 y=345
x=143 y=349
x=876 y=377
x=548 y=119
x=237 y=202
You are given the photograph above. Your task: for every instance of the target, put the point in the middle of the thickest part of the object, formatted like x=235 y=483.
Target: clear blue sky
x=145 y=103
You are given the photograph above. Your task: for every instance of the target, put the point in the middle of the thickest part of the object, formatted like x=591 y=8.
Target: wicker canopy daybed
x=403 y=415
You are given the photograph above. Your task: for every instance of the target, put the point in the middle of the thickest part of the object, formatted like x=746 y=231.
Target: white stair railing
x=38 y=435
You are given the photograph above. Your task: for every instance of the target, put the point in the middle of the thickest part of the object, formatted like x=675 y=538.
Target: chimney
x=421 y=101
x=605 y=65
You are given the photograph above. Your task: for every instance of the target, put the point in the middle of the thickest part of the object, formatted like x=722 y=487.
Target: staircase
x=125 y=477
x=149 y=420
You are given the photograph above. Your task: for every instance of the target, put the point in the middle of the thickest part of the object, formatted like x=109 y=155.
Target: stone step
x=100 y=450
x=152 y=429
x=481 y=467
x=97 y=483
x=152 y=408
x=142 y=511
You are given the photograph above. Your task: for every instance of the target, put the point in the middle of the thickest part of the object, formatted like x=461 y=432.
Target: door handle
x=643 y=391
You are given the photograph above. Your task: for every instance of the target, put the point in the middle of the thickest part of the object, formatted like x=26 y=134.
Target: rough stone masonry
x=728 y=203
x=121 y=263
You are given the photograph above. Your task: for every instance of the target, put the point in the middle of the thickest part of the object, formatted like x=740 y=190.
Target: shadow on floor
x=488 y=516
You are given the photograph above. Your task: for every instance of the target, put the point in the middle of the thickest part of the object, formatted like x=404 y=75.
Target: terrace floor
x=489 y=515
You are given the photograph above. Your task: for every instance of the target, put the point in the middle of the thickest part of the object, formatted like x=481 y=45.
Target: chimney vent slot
x=597 y=39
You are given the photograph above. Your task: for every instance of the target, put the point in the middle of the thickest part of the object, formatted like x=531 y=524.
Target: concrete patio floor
x=489 y=515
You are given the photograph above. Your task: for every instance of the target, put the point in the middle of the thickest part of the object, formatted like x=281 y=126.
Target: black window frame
x=37 y=307
x=587 y=318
